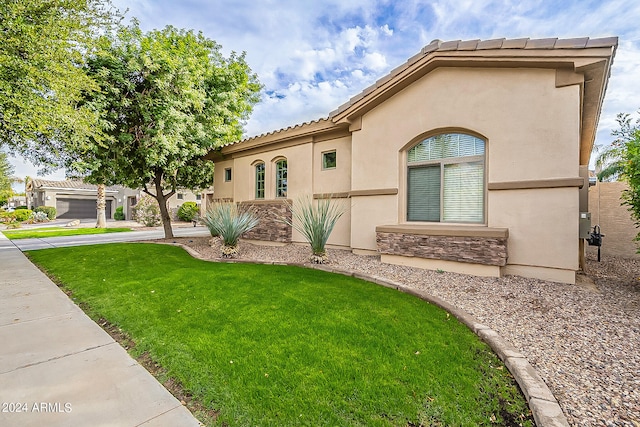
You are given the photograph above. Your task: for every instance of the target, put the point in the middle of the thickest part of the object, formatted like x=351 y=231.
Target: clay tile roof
x=541 y=43
x=602 y=42
x=515 y=43
x=451 y=45
x=490 y=44
x=468 y=45
x=66 y=185
x=471 y=45
x=579 y=43
x=460 y=46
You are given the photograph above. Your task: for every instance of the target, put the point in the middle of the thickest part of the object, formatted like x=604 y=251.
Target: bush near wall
x=119 y=213
x=22 y=214
x=188 y=211
x=147 y=211
x=49 y=210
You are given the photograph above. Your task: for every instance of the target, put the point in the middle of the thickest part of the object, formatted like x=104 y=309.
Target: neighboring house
x=184 y=195
x=470 y=157
x=16 y=201
x=75 y=199
x=614 y=220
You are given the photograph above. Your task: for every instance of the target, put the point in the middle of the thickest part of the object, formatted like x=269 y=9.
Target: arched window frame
x=446 y=178
x=281 y=178
x=259 y=179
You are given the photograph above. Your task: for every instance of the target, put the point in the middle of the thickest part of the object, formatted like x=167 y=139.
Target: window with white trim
x=281 y=178
x=260 y=181
x=445 y=179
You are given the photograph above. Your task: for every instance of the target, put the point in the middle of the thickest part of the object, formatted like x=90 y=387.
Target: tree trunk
x=164 y=211
x=101 y=204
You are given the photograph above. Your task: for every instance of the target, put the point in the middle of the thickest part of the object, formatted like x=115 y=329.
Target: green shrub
x=119 y=213
x=229 y=221
x=49 y=210
x=188 y=211
x=7 y=217
x=22 y=214
x=147 y=211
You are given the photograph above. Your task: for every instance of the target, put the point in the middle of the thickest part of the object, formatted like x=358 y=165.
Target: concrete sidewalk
x=58 y=368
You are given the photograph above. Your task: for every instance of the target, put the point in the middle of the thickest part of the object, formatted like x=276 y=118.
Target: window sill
x=441 y=229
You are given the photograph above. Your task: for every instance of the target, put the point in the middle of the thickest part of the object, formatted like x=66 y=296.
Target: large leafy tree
x=42 y=48
x=167 y=97
x=6 y=178
x=621 y=160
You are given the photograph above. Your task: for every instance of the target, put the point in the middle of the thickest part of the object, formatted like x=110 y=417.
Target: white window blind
x=445 y=179
x=463 y=192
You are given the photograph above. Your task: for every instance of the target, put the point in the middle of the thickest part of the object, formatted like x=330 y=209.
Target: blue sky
x=313 y=55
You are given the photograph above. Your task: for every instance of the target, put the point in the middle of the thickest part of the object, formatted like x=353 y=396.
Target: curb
x=543 y=404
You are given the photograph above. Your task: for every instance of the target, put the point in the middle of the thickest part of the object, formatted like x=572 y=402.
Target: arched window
x=445 y=179
x=259 y=180
x=281 y=178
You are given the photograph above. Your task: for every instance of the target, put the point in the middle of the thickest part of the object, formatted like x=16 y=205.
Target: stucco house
x=470 y=157
x=74 y=199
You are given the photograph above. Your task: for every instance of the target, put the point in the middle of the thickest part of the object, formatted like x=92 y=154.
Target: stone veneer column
x=270 y=228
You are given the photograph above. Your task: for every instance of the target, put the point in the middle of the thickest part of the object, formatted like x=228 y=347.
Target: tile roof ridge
x=277 y=131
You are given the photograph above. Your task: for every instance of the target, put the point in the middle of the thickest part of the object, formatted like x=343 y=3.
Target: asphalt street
x=93 y=239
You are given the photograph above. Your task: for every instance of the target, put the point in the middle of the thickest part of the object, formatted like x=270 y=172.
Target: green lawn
x=286 y=346
x=32 y=233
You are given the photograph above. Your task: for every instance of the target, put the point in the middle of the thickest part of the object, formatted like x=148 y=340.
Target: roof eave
x=416 y=68
x=305 y=130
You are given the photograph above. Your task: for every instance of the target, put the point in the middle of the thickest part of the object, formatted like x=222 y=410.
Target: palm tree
x=610 y=160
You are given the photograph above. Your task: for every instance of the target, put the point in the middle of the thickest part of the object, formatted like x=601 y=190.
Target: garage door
x=79 y=208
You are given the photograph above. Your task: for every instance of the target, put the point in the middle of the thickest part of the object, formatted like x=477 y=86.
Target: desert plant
x=50 y=211
x=315 y=221
x=188 y=211
x=22 y=214
x=148 y=212
x=229 y=221
x=39 y=217
x=7 y=217
x=118 y=215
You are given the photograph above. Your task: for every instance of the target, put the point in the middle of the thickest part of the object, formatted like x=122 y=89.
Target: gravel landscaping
x=584 y=340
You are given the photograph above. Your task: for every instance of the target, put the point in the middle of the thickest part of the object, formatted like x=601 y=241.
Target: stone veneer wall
x=270 y=229
x=476 y=250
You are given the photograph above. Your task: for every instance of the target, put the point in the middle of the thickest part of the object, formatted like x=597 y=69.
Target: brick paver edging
x=544 y=406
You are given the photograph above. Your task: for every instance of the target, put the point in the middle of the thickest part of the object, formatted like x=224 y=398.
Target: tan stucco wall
x=302 y=159
x=222 y=189
x=532 y=132
x=336 y=180
x=614 y=220
x=542 y=223
x=368 y=212
x=532 y=127
x=187 y=196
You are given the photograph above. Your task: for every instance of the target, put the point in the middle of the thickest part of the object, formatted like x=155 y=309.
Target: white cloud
x=313 y=55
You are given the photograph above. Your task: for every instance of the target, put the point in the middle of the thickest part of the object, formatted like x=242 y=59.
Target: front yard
x=282 y=345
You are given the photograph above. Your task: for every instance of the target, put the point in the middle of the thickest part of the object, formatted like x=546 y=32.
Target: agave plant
x=229 y=221
x=315 y=221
